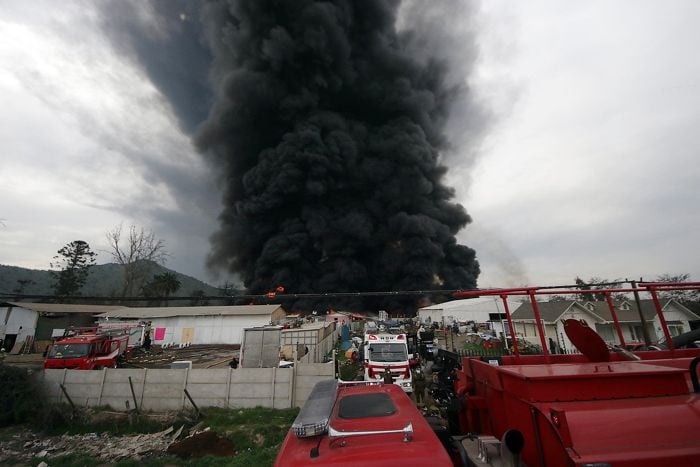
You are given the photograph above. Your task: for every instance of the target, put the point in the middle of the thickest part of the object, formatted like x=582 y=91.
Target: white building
x=32 y=325
x=200 y=324
x=481 y=310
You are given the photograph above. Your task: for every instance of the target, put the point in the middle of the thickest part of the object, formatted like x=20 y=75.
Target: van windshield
x=388 y=352
x=69 y=350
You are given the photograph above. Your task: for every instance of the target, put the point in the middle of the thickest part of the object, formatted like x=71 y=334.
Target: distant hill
x=104 y=280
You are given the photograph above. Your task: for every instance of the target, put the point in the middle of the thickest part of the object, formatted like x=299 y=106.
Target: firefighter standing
x=419 y=386
x=388 y=379
x=147 y=340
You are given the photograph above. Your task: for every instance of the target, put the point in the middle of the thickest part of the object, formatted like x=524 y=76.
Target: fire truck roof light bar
x=313 y=417
x=359 y=383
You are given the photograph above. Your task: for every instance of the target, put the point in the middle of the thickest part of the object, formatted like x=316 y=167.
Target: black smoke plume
x=327 y=131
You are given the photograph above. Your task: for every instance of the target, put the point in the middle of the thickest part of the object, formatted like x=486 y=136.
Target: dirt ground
x=202 y=444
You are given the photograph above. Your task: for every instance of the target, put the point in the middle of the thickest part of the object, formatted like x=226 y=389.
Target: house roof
x=626 y=315
x=549 y=311
x=626 y=311
x=170 y=312
x=63 y=308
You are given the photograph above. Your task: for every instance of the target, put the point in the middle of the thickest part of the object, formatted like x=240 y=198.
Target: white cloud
x=592 y=171
x=88 y=142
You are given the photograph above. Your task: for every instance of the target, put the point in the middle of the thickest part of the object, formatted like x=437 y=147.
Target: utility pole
x=645 y=331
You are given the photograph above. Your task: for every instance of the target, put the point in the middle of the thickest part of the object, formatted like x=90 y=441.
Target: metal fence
x=498 y=352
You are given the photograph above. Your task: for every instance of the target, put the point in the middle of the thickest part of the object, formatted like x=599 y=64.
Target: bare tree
x=683 y=296
x=136 y=251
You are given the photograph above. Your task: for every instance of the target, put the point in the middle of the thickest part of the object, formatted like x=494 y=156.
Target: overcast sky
x=588 y=167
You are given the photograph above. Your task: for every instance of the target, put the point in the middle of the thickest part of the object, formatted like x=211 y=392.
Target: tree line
x=136 y=250
x=599 y=283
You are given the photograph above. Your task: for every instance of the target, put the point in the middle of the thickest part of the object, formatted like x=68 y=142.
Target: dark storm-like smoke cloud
x=165 y=37
x=327 y=129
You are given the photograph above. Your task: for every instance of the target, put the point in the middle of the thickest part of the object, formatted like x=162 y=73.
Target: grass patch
x=252 y=430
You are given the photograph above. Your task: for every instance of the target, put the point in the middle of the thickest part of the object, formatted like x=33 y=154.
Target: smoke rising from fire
x=328 y=133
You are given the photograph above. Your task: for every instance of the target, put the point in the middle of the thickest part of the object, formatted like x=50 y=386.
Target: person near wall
x=552 y=346
x=147 y=340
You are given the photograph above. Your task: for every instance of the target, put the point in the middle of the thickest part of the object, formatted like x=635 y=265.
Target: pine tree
x=70 y=268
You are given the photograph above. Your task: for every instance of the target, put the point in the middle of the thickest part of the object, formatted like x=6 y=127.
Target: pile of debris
x=201 y=356
x=26 y=445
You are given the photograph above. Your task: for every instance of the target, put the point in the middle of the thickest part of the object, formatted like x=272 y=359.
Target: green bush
x=20 y=401
x=349 y=370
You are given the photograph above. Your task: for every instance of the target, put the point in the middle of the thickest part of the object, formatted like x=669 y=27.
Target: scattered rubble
x=201 y=356
x=26 y=445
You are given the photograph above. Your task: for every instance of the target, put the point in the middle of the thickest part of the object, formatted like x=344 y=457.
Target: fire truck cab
x=382 y=351
x=93 y=347
x=360 y=423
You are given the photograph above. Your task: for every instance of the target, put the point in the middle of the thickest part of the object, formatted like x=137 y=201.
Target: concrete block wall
x=306 y=378
x=160 y=390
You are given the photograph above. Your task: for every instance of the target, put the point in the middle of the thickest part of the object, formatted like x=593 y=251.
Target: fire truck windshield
x=388 y=352
x=69 y=350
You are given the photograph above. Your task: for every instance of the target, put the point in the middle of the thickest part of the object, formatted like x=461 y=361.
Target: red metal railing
x=652 y=288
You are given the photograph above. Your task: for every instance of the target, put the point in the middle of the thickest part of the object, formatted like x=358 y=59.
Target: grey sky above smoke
x=588 y=167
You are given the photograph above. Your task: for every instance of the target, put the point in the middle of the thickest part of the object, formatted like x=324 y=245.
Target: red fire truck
x=602 y=407
x=94 y=348
x=361 y=423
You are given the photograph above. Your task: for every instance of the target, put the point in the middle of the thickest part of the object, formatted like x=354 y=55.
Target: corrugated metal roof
x=168 y=312
x=67 y=308
x=494 y=304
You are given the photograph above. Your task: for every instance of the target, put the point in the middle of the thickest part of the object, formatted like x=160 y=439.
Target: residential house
x=597 y=316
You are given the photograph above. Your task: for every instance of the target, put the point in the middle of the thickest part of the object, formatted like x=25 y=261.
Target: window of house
x=675 y=329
